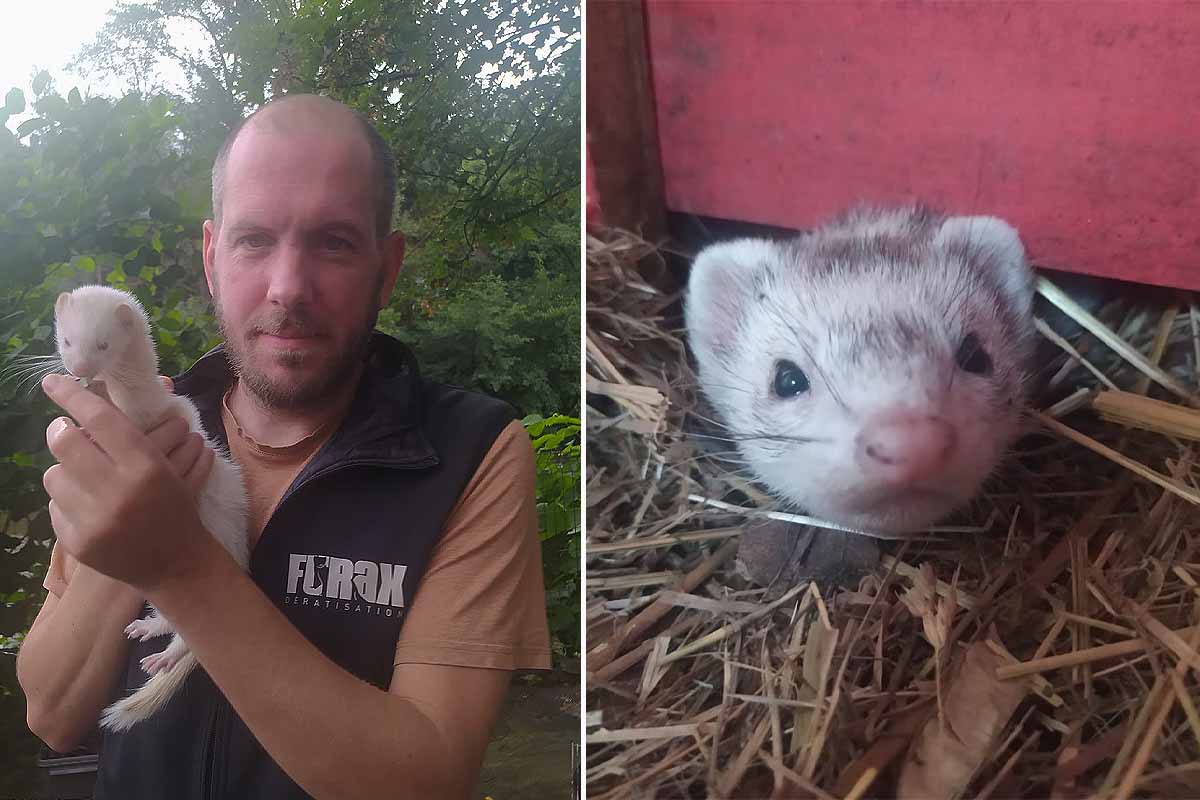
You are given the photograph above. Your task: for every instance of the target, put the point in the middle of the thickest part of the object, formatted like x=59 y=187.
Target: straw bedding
x=1048 y=648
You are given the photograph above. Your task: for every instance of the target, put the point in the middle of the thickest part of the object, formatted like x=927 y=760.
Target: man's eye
x=253 y=241
x=337 y=244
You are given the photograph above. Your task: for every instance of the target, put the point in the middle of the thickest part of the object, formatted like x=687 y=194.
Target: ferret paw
x=159 y=662
x=144 y=629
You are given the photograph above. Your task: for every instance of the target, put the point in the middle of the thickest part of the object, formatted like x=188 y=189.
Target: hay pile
x=1051 y=650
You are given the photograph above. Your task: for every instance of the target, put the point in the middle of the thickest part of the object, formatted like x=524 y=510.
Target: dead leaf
x=977 y=707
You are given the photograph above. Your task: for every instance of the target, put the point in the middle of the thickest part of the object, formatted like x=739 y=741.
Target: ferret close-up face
x=873 y=371
x=90 y=332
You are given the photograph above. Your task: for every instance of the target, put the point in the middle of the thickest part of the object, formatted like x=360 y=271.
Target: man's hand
x=116 y=502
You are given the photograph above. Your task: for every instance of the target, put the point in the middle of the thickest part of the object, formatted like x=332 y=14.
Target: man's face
x=295 y=268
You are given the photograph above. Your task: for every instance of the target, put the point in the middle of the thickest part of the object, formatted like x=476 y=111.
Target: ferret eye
x=790 y=380
x=972 y=357
x=102 y=346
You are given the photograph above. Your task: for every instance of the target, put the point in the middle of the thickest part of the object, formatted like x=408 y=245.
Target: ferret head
x=95 y=327
x=871 y=372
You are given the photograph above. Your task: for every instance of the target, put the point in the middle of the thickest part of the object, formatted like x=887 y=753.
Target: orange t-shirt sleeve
x=481 y=602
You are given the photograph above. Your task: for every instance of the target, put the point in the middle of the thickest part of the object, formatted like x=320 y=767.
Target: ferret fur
x=109 y=335
x=873 y=307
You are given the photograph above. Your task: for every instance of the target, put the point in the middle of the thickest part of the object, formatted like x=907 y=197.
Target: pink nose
x=901 y=447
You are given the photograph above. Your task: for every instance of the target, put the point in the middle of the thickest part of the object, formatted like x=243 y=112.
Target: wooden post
x=625 y=175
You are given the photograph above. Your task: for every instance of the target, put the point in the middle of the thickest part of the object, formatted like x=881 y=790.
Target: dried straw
x=1075 y=578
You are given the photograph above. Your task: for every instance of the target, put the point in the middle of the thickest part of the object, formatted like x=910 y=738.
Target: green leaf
x=117 y=277
x=85 y=263
x=14 y=101
x=30 y=125
x=41 y=81
x=52 y=105
x=22 y=460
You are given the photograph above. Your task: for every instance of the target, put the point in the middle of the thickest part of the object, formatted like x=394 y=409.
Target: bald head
x=303 y=114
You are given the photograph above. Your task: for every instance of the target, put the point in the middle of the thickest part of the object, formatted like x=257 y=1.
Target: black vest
x=341 y=556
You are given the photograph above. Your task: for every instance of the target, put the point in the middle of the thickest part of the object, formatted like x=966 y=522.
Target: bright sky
x=46 y=35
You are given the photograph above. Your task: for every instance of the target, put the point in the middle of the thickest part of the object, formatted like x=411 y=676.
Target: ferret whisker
x=779 y=437
x=23 y=363
x=755 y=437
x=24 y=373
x=710 y=420
x=728 y=388
x=724 y=455
x=35 y=380
x=714 y=438
x=23 y=360
x=724 y=460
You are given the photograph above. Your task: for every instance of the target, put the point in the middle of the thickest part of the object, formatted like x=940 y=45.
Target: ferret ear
x=995 y=245
x=126 y=316
x=725 y=280
x=61 y=302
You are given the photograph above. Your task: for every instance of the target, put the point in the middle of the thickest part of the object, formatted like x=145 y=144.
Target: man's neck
x=279 y=427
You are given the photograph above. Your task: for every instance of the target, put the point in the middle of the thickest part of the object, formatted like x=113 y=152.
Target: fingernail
x=60 y=425
x=50 y=382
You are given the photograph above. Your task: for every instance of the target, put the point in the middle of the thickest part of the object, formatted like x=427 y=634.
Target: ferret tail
x=152 y=696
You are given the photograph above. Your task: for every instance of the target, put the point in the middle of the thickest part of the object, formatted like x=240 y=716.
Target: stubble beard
x=325 y=382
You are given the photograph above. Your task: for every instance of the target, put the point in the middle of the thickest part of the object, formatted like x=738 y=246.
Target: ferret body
x=104 y=334
x=873 y=371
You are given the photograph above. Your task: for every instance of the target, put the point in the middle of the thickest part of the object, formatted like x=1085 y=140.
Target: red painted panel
x=1079 y=122
x=595 y=219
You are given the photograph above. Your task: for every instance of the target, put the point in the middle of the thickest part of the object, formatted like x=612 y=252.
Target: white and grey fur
x=104 y=334
x=873 y=307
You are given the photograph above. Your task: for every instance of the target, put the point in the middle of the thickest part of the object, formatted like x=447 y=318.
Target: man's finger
x=111 y=429
x=202 y=467
x=169 y=435
x=74 y=449
x=183 y=457
x=62 y=528
x=63 y=490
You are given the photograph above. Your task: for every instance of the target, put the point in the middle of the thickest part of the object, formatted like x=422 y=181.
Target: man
x=395 y=578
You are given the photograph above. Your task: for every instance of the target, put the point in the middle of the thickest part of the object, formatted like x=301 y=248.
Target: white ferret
x=104 y=334
x=872 y=372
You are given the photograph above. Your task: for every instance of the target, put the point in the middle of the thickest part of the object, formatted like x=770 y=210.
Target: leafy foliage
x=556 y=446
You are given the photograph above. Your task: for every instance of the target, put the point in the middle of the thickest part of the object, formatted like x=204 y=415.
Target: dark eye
x=972 y=357
x=102 y=346
x=790 y=380
x=254 y=241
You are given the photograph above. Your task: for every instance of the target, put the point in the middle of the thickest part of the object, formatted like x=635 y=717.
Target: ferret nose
x=902 y=447
x=83 y=367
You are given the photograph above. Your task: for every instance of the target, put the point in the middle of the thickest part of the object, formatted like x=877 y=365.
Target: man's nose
x=291 y=278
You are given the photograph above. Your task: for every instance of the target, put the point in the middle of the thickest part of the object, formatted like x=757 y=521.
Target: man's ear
x=211 y=232
x=993 y=245
x=393 y=262
x=721 y=290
